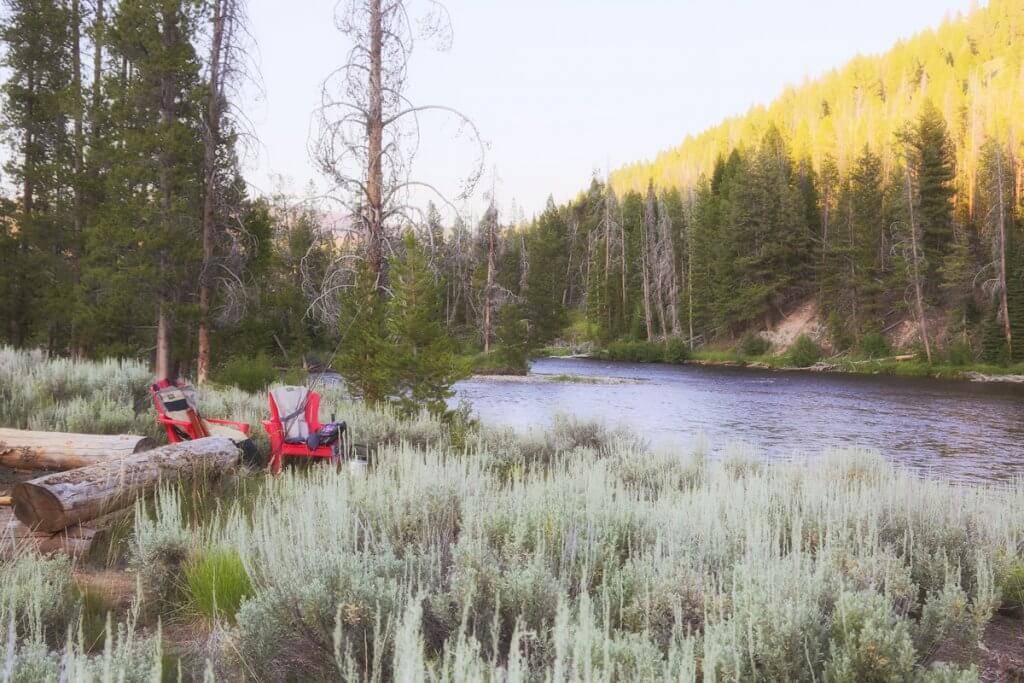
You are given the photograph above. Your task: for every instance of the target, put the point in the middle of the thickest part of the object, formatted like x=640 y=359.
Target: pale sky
x=563 y=88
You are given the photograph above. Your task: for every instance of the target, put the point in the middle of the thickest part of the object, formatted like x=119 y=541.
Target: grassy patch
x=216 y=584
x=496 y=363
x=555 y=352
x=671 y=351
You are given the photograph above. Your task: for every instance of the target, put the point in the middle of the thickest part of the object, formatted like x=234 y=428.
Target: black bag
x=326 y=435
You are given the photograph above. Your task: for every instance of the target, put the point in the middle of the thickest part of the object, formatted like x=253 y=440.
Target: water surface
x=960 y=430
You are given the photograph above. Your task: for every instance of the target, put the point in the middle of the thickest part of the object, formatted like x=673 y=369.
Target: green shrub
x=676 y=351
x=804 y=353
x=874 y=345
x=248 y=374
x=868 y=642
x=753 y=345
x=498 y=362
x=672 y=351
x=838 y=332
x=216 y=584
x=960 y=353
x=1011 y=585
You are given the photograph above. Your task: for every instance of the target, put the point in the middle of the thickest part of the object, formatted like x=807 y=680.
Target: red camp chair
x=175 y=404
x=294 y=415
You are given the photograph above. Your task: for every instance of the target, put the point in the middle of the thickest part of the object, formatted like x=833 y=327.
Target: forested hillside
x=888 y=191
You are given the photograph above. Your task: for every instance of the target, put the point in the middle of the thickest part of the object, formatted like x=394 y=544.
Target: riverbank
x=905 y=365
x=896 y=366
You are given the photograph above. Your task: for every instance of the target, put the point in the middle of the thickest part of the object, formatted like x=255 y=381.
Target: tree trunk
x=916 y=267
x=489 y=287
x=211 y=138
x=60 y=500
x=168 y=111
x=97 y=71
x=79 y=114
x=622 y=243
x=648 y=319
x=1004 y=303
x=375 y=136
x=25 y=450
x=163 y=343
x=607 y=261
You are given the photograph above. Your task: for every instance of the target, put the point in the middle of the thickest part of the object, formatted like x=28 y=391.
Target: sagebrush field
x=572 y=553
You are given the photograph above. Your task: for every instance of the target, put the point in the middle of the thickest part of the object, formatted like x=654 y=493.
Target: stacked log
x=75 y=541
x=63 y=499
x=53 y=451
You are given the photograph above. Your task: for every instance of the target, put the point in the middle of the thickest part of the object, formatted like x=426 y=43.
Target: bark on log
x=24 y=450
x=75 y=541
x=60 y=500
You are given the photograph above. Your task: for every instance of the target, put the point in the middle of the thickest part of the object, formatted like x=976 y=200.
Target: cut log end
x=38 y=508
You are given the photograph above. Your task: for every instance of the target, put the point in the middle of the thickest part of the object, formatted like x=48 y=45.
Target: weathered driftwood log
x=23 y=450
x=75 y=541
x=60 y=500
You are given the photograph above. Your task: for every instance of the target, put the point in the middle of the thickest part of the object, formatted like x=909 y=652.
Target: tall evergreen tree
x=545 y=279
x=932 y=161
x=424 y=362
x=144 y=246
x=35 y=119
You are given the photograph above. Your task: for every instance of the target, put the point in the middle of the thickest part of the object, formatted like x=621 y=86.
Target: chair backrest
x=290 y=406
x=174 y=399
x=177 y=400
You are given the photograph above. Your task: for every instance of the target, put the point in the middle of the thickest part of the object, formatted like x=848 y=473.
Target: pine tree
x=932 y=161
x=143 y=241
x=545 y=283
x=424 y=363
x=867 y=245
x=366 y=358
x=35 y=119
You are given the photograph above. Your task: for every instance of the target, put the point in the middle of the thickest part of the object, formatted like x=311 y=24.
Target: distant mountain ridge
x=971 y=67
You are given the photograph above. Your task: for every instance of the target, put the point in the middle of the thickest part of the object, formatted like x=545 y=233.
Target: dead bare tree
x=666 y=265
x=647 y=229
x=367 y=131
x=915 y=257
x=998 y=194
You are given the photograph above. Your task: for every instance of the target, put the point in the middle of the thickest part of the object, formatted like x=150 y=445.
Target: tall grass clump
x=215 y=584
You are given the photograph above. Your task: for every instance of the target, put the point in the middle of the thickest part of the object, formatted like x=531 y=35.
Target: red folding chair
x=175 y=404
x=294 y=415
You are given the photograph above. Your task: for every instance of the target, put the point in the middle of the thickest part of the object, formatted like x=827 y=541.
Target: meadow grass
x=572 y=553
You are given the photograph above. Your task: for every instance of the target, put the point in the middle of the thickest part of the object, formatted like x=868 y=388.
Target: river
x=957 y=430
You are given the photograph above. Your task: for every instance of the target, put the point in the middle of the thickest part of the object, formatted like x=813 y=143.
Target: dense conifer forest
x=885 y=195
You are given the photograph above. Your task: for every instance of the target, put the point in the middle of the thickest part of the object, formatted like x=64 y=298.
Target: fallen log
x=76 y=541
x=60 y=500
x=25 y=450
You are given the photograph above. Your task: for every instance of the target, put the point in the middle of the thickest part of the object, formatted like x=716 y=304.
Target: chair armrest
x=240 y=426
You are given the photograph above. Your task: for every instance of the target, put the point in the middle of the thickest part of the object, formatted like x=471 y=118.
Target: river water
x=958 y=430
